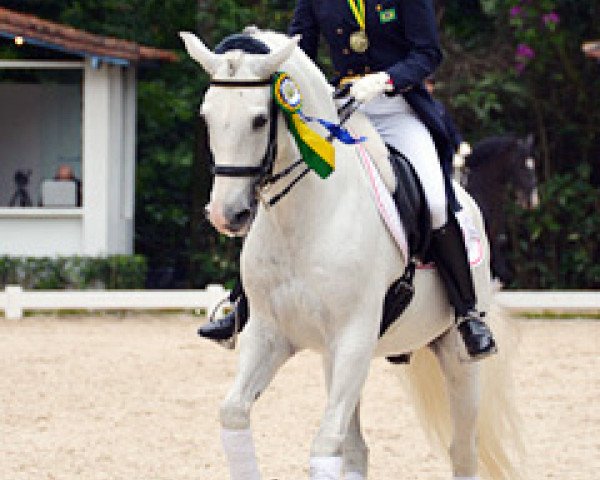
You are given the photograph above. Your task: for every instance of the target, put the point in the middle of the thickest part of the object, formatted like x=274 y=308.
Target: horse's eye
x=259 y=121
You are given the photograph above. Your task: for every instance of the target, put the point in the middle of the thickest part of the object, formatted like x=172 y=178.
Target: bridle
x=264 y=171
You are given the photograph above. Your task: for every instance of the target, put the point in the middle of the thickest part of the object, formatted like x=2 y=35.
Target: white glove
x=369 y=86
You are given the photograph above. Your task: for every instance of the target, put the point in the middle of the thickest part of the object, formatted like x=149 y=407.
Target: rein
x=264 y=171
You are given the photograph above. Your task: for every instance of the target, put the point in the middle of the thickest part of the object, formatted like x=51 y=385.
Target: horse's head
x=241 y=119
x=523 y=175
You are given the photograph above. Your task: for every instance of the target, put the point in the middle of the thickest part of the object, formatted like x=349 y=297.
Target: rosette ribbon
x=317 y=152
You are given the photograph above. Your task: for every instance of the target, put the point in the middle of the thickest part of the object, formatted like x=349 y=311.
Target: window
x=40 y=136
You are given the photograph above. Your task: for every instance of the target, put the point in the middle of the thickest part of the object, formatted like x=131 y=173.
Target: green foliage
x=490 y=87
x=219 y=263
x=77 y=273
x=484 y=101
x=556 y=245
x=525 y=73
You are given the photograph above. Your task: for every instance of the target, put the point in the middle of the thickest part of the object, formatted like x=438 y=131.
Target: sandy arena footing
x=137 y=398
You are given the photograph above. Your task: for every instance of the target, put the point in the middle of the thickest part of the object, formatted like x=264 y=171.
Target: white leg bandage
x=466 y=478
x=325 y=468
x=353 y=476
x=239 y=448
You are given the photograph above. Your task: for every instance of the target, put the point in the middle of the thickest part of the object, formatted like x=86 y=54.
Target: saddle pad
x=384 y=202
x=391 y=217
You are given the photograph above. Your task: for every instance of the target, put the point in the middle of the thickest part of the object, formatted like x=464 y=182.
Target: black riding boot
x=450 y=256
x=223 y=328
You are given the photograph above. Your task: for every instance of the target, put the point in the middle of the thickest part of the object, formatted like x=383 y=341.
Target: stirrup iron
x=231 y=342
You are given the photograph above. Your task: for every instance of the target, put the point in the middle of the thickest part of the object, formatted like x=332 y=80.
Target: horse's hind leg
x=261 y=355
x=356 y=452
x=462 y=383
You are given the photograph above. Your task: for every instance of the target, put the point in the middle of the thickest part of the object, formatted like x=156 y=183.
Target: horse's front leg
x=350 y=354
x=355 y=450
x=262 y=352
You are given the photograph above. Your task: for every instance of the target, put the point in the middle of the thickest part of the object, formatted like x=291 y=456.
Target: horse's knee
x=234 y=415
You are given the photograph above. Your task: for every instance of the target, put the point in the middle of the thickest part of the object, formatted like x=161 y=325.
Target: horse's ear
x=270 y=63
x=200 y=52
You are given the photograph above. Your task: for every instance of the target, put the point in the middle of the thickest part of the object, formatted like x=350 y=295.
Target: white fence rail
x=550 y=301
x=14 y=301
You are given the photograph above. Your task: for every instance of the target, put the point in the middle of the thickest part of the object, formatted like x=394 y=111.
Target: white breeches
x=399 y=127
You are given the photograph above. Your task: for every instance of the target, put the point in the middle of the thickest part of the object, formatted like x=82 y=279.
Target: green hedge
x=76 y=273
x=557 y=246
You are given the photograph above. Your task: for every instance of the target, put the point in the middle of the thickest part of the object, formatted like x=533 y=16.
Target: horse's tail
x=500 y=443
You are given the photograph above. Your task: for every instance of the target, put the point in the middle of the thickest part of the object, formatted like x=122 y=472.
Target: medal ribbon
x=317 y=152
x=358 y=10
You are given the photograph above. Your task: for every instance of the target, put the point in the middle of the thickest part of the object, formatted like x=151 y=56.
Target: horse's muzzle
x=231 y=221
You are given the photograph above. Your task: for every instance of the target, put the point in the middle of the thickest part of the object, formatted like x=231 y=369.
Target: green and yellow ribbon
x=358 y=10
x=316 y=151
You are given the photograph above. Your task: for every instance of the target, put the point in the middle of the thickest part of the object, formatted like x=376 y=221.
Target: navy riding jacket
x=403 y=42
x=453 y=133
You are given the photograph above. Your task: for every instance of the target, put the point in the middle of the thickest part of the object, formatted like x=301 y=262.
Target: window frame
x=42 y=212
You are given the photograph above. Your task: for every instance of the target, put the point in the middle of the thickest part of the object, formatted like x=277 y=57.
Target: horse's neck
x=487 y=183
x=487 y=175
x=313 y=201
x=312 y=198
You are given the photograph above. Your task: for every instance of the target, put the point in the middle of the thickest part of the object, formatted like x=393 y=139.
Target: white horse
x=316 y=267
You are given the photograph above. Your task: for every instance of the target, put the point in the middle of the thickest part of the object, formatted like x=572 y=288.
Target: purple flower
x=551 y=18
x=516 y=11
x=525 y=51
x=520 y=67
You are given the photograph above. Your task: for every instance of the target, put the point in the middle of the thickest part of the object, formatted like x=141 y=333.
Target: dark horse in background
x=496 y=166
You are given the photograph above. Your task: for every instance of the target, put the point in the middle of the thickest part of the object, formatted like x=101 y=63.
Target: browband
x=241 y=83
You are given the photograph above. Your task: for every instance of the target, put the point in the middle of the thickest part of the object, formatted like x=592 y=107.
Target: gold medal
x=359 y=42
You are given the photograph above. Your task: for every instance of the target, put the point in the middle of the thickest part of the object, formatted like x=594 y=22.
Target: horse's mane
x=489 y=148
x=243 y=42
x=301 y=67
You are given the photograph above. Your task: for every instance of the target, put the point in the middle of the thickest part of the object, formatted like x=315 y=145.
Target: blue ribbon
x=336 y=131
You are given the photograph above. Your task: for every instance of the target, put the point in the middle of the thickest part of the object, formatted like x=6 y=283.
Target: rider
x=386 y=48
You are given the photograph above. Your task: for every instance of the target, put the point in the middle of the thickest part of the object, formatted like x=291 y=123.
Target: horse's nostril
x=241 y=217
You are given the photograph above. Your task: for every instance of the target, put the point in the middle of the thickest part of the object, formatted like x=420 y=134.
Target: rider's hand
x=369 y=86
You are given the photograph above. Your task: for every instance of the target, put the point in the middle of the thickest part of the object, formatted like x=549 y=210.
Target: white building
x=69 y=106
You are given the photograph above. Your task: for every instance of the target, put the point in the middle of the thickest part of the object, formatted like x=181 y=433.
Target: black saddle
x=414 y=213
